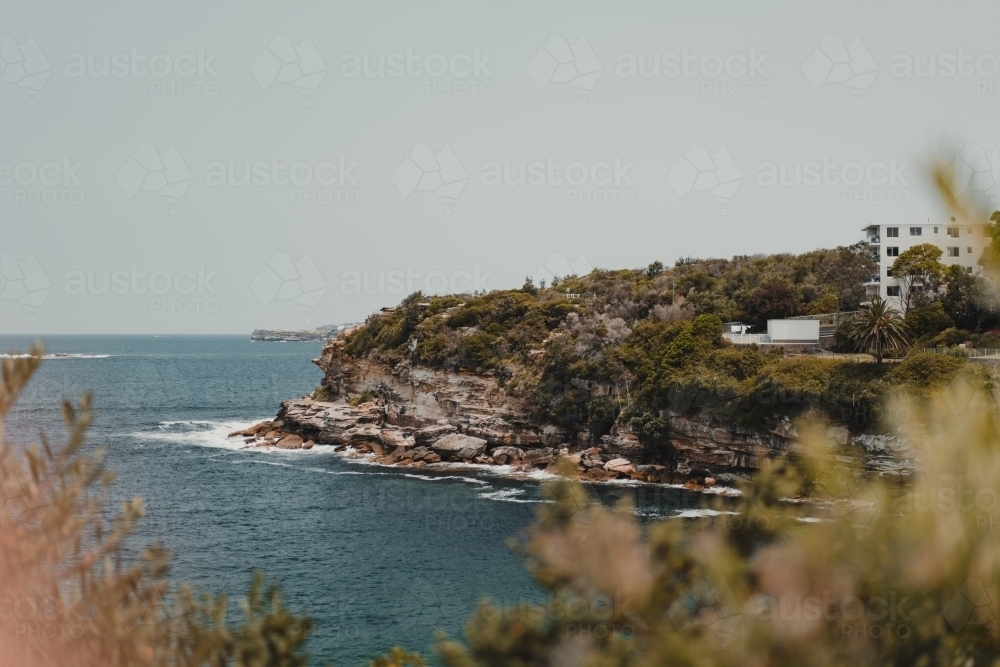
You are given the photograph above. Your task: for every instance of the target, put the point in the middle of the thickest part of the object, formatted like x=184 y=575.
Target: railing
x=747 y=338
x=968 y=352
x=828 y=319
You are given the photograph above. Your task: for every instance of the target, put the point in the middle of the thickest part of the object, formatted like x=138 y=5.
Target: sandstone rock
x=391 y=439
x=458 y=446
x=308 y=444
x=598 y=475
x=838 y=434
x=433 y=433
x=505 y=455
x=431 y=457
x=623 y=466
x=289 y=442
x=709 y=481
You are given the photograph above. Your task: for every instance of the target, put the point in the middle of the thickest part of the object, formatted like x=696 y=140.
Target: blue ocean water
x=377 y=556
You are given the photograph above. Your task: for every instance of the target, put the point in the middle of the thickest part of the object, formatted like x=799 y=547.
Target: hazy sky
x=219 y=167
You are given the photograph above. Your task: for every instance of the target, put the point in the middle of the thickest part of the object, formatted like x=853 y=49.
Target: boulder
x=458 y=446
x=308 y=444
x=838 y=434
x=430 y=434
x=431 y=457
x=598 y=475
x=505 y=455
x=391 y=439
x=289 y=442
x=623 y=466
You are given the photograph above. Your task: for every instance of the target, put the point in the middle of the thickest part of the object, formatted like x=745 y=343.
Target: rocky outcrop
x=288 y=335
x=417 y=416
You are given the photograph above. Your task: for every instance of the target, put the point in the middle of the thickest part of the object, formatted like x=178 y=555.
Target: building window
x=916 y=231
x=892 y=251
x=952 y=251
x=968 y=269
x=935 y=230
x=892 y=290
x=888 y=272
x=953 y=232
x=892 y=232
x=968 y=249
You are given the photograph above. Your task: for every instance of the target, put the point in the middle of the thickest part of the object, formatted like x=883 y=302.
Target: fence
x=747 y=338
x=986 y=353
x=828 y=319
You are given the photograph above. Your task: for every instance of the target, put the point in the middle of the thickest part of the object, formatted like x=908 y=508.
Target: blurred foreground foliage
x=67 y=600
x=874 y=569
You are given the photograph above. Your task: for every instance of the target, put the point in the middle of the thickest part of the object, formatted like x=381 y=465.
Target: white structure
x=793 y=331
x=959 y=244
x=779 y=332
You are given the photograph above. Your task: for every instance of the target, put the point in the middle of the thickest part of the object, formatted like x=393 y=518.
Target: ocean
x=377 y=556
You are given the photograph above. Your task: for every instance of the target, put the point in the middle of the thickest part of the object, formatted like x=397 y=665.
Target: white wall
x=804 y=330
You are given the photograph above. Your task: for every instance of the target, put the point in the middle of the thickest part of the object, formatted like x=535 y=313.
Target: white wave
x=695 y=513
x=650 y=512
x=58 y=355
x=723 y=491
x=426 y=478
x=711 y=490
x=198 y=433
x=510 y=496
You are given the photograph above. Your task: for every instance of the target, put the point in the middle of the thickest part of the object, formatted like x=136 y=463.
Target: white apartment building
x=959 y=244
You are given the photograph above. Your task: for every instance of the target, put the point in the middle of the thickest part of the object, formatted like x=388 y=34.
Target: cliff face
x=415 y=398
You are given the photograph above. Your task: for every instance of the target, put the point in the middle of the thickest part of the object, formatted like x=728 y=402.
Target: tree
x=928 y=320
x=917 y=270
x=878 y=328
x=772 y=301
x=847 y=271
x=969 y=300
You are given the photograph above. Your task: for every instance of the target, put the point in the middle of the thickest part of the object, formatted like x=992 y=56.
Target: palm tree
x=878 y=328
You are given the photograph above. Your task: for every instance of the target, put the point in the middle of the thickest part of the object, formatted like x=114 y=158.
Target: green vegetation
x=879 y=329
x=875 y=573
x=636 y=347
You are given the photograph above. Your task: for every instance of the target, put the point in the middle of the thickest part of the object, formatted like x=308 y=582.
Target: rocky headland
x=414 y=416
x=289 y=335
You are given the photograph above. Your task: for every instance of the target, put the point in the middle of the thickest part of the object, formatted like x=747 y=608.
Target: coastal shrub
x=816 y=563
x=69 y=598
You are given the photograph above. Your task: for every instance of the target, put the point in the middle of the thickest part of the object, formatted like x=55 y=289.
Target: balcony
x=873 y=240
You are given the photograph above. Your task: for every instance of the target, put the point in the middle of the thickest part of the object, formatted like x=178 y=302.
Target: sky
x=191 y=167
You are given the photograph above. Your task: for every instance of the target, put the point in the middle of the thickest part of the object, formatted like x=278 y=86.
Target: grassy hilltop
x=641 y=345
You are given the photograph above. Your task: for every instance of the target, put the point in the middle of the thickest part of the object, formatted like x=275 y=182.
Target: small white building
x=793 y=331
x=960 y=244
x=799 y=331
